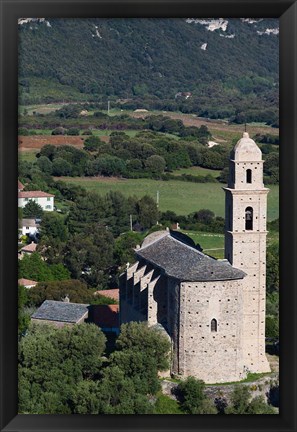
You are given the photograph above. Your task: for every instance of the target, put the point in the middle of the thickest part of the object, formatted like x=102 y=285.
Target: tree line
x=68 y=371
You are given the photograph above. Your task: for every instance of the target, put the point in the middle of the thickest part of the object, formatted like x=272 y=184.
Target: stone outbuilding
x=61 y=313
x=212 y=310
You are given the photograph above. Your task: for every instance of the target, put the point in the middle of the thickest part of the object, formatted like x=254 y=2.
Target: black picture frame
x=11 y=10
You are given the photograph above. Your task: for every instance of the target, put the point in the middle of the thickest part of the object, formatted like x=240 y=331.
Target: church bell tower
x=245 y=245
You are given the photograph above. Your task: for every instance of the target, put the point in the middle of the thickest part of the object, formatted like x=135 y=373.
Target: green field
x=28 y=155
x=181 y=197
x=211 y=243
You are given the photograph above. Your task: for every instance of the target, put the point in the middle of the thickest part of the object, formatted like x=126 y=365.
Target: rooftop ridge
x=68 y=303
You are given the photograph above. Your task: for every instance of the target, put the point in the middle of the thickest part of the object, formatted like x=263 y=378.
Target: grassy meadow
x=197 y=171
x=181 y=197
x=211 y=243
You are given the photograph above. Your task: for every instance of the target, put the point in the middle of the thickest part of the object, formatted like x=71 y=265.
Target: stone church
x=212 y=310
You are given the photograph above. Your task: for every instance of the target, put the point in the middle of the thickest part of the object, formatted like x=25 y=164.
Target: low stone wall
x=261 y=387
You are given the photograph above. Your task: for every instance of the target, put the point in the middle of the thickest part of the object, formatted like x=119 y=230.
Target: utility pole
x=131 y=223
x=108 y=106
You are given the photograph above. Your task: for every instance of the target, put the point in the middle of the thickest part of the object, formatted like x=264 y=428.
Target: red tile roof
x=34 y=194
x=105 y=316
x=29 y=248
x=25 y=282
x=20 y=185
x=111 y=293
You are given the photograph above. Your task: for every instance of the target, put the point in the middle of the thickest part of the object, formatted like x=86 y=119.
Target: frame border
x=10 y=10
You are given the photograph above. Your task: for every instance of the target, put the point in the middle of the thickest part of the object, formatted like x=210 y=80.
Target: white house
x=45 y=200
x=29 y=227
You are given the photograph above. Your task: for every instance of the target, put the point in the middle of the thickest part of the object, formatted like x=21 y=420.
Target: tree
x=119 y=395
x=51 y=249
x=240 y=398
x=34 y=268
x=54 y=362
x=124 y=247
x=92 y=143
x=48 y=151
x=86 y=209
x=53 y=227
x=155 y=164
x=259 y=406
x=271 y=166
x=205 y=216
x=76 y=290
x=61 y=167
x=108 y=165
x=241 y=403
x=45 y=164
x=118 y=210
x=85 y=398
x=86 y=345
x=89 y=255
x=73 y=131
x=140 y=338
x=32 y=210
x=272 y=269
x=23 y=317
x=59 y=272
x=59 y=131
x=140 y=353
x=272 y=327
x=134 y=165
x=147 y=211
x=272 y=304
x=69 y=111
x=193 y=399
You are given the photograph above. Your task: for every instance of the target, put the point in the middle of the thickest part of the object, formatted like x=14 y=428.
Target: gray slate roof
x=52 y=310
x=184 y=262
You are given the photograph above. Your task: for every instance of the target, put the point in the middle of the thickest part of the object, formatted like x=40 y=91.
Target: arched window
x=249 y=218
x=249 y=176
x=214 y=325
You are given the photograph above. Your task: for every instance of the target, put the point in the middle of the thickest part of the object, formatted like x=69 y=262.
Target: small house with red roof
x=113 y=294
x=27 y=250
x=27 y=283
x=20 y=186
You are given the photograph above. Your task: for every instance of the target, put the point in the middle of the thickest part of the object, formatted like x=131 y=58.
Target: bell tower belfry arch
x=245 y=244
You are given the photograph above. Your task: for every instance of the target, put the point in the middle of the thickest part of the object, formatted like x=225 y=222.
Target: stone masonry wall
x=203 y=352
x=246 y=250
x=173 y=321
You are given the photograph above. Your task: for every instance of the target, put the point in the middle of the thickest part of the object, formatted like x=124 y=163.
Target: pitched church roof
x=184 y=262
